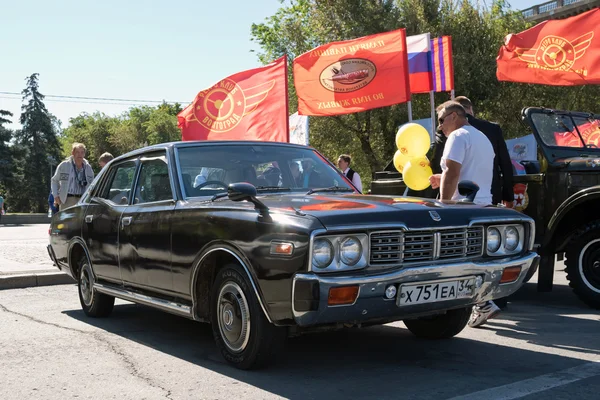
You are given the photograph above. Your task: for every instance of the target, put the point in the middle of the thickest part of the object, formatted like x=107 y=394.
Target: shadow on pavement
x=375 y=363
x=556 y=319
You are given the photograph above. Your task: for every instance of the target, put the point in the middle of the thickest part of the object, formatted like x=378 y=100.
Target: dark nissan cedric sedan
x=267 y=240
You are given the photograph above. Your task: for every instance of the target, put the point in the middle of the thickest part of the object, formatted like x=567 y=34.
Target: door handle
x=126 y=221
x=89 y=218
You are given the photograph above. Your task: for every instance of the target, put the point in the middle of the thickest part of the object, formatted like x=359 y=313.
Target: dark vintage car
x=560 y=191
x=267 y=240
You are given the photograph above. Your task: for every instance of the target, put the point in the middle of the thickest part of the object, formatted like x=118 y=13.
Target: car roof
x=192 y=143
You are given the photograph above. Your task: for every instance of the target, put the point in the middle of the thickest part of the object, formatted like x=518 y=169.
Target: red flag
x=354 y=75
x=590 y=133
x=250 y=105
x=442 y=64
x=563 y=52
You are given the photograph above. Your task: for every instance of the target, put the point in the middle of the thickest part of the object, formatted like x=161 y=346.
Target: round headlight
x=511 y=238
x=322 y=253
x=350 y=250
x=493 y=240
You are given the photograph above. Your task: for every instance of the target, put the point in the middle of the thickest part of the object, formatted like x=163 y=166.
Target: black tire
x=583 y=264
x=245 y=337
x=93 y=303
x=440 y=326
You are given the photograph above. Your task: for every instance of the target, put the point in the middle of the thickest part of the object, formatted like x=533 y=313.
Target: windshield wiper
x=277 y=188
x=219 y=195
x=330 y=189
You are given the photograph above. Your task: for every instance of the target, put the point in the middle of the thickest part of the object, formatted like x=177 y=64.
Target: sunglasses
x=441 y=120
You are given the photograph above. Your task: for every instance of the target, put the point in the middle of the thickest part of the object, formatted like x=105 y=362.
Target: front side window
x=119 y=189
x=208 y=170
x=153 y=184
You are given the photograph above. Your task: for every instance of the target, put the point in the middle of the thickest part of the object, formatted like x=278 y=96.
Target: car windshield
x=567 y=131
x=207 y=170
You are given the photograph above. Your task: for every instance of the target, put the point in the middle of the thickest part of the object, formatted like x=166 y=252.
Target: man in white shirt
x=344 y=165
x=468 y=155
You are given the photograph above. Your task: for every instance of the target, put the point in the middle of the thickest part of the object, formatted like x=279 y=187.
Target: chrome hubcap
x=233 y=317
x=87 y=284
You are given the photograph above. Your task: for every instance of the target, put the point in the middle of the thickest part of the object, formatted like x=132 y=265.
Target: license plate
x=432 y=292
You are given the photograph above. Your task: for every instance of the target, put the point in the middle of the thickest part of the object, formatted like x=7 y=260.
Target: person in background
x=344 y=165
x=1 y=207
x=296 y=174
x=502 y=181
x=104 y=159
x=72 y=178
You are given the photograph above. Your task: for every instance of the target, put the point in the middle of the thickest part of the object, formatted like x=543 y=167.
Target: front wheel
x=245 y=337
x=583 y=264
x=440 y=326
x=94 y=304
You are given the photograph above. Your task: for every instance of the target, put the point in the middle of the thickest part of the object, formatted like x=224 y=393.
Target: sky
x=128 y=49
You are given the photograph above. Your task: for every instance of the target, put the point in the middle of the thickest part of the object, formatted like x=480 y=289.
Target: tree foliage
x=477 y=33
x=6 y=157
x=36 y=148
x=140 y=126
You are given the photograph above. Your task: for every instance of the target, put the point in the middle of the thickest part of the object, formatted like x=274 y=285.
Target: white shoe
x=482 y=312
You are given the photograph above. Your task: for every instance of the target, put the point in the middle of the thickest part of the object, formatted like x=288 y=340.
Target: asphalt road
x=546 y=345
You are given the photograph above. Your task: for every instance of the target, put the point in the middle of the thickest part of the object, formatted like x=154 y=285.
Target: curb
x=31 y=280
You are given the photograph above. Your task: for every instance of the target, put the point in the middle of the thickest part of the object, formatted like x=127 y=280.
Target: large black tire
x=440 y=326
x=583 y=264
x=94 y=304
x=245 y=337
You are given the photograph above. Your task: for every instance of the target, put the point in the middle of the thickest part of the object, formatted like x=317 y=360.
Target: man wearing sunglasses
x=468 y=155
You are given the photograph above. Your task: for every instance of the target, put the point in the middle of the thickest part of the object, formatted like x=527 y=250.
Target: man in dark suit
x=502 y=181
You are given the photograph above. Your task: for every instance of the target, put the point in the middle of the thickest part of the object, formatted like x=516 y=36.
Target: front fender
x=583 y=196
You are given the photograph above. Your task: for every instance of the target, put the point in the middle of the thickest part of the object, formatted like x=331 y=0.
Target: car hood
x=341 y=210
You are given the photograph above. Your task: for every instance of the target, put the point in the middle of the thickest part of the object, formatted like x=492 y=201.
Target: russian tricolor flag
x=419 y=63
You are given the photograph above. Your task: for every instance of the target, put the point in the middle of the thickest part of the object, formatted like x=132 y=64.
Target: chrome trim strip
x=243 y=264
x=164 y=305
x=179 y=174
x=437 y=245
x=80 y=241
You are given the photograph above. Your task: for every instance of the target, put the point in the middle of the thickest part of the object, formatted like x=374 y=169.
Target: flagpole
x=452 y=94
x=432 y=102
x=409 y=111
x=287 y=100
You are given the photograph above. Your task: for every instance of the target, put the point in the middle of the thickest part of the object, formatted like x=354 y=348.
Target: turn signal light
x=510 y=274
x=342 y=295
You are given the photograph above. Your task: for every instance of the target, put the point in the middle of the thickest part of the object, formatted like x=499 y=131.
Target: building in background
x=558 y=9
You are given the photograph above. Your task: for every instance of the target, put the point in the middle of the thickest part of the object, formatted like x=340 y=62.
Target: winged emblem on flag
x=221 y=107
x=555 y=52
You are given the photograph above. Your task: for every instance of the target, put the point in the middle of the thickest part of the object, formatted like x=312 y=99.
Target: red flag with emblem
x=353 y=75
x=563 y=52
x=249 y=105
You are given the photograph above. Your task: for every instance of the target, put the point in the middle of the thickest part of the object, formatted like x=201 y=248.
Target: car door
x=102 y=220
x=145 y=236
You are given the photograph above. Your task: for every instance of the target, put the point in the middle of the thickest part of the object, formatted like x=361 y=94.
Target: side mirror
x=468 y=189
x=241 y=191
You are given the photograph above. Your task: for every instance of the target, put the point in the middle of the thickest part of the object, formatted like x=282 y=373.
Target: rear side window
x=153 y=184
x=119 y=189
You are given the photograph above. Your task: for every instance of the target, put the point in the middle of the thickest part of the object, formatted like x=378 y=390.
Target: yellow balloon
x=416 y=173
x=400 y=160
x=413 y=140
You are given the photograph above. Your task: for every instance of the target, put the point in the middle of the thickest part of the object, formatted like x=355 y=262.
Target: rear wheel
x=245 y=337
x=440 y=326
x=583 y=264
x=94 y=304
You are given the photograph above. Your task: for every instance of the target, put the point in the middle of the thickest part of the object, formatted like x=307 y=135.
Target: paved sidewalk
x=24 y=260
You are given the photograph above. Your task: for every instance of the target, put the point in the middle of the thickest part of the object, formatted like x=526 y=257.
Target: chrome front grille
x=394 y=247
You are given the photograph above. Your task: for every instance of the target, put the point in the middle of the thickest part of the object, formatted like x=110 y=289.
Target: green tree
x=38 y=138
x=6 y=156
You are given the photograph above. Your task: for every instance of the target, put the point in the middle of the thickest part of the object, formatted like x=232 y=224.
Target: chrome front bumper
x=310 y=291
